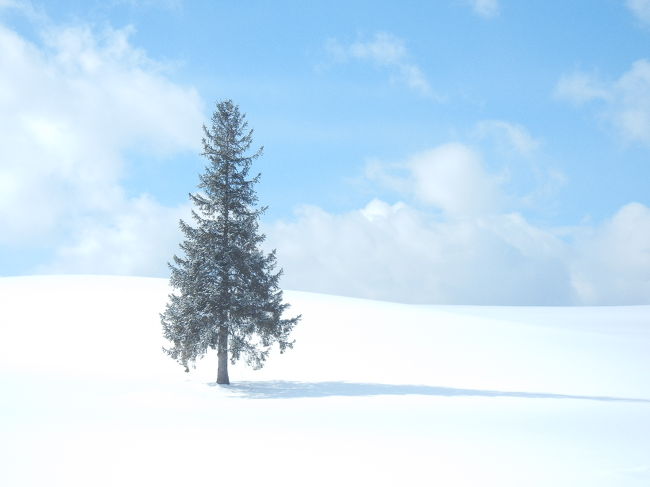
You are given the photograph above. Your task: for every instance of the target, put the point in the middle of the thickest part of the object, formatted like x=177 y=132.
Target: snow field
x=373 y=394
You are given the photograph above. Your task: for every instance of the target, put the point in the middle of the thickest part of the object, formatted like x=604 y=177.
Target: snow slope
x=374 y=393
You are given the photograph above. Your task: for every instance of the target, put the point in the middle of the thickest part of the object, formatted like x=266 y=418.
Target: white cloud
x=450 y=177
x=640 y=8
x=485 y=8
x=626 y=101
x=387 y=51
x=455 y=179
x=70 y=108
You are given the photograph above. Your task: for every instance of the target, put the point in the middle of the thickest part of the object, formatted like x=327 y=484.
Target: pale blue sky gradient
x=345 y=96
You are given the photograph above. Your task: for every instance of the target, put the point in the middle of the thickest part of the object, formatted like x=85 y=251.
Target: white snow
x=374 y=393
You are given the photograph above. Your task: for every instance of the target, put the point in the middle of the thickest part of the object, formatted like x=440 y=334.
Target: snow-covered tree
x=226 y=294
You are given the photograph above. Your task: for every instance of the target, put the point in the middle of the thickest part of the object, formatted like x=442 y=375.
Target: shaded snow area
x=373 y=393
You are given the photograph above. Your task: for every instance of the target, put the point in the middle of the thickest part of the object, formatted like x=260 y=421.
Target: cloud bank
x=461 y=242
x=396 y=252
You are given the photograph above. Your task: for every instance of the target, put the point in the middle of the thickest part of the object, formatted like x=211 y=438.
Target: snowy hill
x=374 y=393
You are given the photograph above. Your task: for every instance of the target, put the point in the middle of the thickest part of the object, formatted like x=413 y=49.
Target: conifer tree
x=226 y=294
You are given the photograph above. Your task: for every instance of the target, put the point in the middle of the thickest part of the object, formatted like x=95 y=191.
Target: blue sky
x=457 y=151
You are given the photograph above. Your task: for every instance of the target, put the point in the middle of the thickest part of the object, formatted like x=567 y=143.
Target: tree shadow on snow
x=290 y=389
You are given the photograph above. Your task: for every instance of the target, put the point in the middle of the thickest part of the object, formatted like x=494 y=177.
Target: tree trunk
x=222 y=355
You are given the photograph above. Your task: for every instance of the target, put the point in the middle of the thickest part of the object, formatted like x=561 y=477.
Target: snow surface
x=374 y=393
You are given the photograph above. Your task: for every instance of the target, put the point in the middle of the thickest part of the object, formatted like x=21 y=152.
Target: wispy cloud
x=513 y=136
x=581 y=88
x=173 y=5
x=624 y=102
x=485 y=8
x=386 y=51
x=640 y=8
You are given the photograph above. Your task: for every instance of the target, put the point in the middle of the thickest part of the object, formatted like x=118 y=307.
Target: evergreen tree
x=226 y=289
